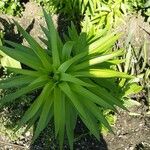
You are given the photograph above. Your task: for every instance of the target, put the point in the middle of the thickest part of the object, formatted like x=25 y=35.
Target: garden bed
x=132 y=132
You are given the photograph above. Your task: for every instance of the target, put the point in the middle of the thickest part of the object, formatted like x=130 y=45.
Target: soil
x=132 y=132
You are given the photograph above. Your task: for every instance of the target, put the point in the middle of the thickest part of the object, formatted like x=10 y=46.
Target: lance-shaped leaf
x=97 y=60
x=91 y=96
x=70 y=78
x=95 y=110
x=21 y=56
x=48 y=101
x=53 y=39
x=71 y=61
x=103 y=44
x=16 y=81
x=104 y=94
x=38 y=50
x=22 y=91
x=85 y=116
x=25 y=72
x=71 y=118
x=24 y=49
x=102 y=73
x=34 y=108
x=66 y=51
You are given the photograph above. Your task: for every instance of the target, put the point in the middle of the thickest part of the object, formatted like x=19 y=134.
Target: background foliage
x=11 y=7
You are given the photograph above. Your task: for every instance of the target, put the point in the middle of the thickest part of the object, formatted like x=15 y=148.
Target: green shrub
x=67 y=74
x=11 y=7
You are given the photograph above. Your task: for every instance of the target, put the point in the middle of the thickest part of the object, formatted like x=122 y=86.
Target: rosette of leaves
x=67 y=75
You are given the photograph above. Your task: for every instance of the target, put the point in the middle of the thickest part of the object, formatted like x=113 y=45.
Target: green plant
x=136 y=63
x=67 y=76
x=104 y=13
x=11 y=7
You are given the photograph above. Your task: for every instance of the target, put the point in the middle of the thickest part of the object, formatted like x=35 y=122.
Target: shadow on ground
x=9 y=30
x=83 y=140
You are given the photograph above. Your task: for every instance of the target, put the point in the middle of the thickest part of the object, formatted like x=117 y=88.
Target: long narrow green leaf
x=69 y=62
x=97 y=60
x=104 y=94
x=22 y=57
x=96 y=112
x=81 y=44
x=62 y=122
x=38 y=50
x=16 y=81
x=24 y=49
x=59 y=114
x=73 y=34
x=116 y=61
x=66 y=51
x=102 y=73
x=98 y=36
x=53 y=39
x=36 y=104
x=31 y=55
x=91 y=123
x=71 y=118
x=25 y=72
x=47 y=33
x=91 y=96
x=22 y=91
x=69 y=78
x=103 y=44
x=32 y=121
x=108 y=84
x=45 y=112
x=79 y=107
x=57 y=99
x=40 y=79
